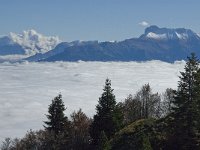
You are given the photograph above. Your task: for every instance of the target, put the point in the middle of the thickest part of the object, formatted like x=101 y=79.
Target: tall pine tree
x=185 y=107
x=108 y=118
x=56 y=117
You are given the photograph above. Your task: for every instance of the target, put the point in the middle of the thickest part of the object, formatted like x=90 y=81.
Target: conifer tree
x=185 y=107
x=108 y=118
x=56 y=117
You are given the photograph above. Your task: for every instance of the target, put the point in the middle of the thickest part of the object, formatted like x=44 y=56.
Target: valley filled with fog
x=27 y=89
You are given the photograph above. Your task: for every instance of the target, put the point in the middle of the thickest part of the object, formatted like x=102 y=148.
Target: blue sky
x=96 y=19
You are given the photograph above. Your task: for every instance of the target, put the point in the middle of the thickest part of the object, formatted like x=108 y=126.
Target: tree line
x=145 y=120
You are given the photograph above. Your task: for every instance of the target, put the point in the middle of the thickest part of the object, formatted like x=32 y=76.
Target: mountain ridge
x=178 y=33
x=165 y=44
x=155 y=44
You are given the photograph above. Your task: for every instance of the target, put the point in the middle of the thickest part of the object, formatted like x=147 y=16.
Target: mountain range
x=156 y=43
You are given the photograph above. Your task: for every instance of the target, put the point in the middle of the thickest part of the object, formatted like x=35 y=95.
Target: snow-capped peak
x=34 y=42
x=154 y=32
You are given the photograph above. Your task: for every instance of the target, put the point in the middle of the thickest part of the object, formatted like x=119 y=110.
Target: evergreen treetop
x=107 y=100
x=108 y=118
x=185 y=106
x=56 y=117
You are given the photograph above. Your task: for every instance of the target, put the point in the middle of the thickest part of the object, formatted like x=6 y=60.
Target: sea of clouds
x=26 y=89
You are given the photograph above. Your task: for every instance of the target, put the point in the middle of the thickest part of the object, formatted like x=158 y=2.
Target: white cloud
x=34 y=42
x=27 y=89
x=144 y=24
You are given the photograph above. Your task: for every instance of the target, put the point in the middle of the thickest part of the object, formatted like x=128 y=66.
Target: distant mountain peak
x=154 y=32
x=167 y=44
x=152 y=28
x=34 y=42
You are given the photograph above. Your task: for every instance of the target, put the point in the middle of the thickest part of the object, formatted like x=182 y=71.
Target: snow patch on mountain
x=34 y=42
x=156 y=36
x=182 y=36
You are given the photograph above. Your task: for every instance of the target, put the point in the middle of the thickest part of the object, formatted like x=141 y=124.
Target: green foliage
x=57 y=127
x=186 y=113
x=146 y=145
x=108 y=117
x=103 y=142
x=135 y=136
x=56 y=117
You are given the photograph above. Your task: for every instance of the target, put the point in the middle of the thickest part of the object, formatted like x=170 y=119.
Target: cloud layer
x=27 y=89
